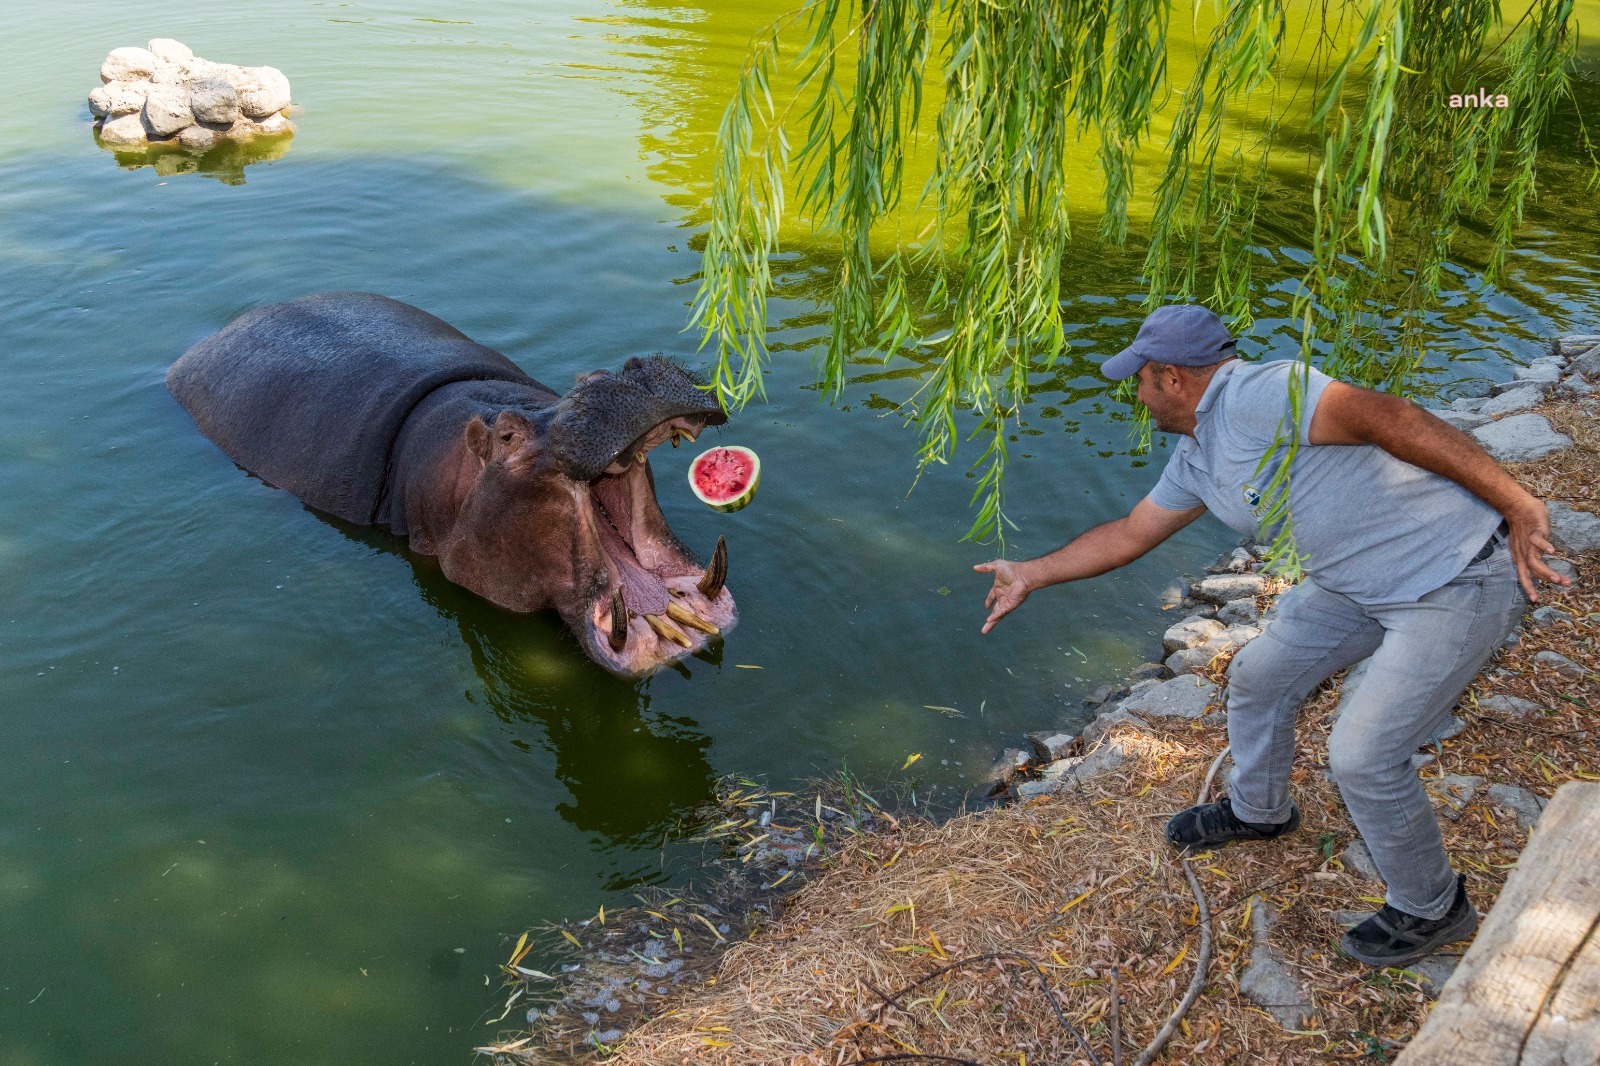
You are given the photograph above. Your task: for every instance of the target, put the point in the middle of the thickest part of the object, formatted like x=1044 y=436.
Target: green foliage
x=1026 y=84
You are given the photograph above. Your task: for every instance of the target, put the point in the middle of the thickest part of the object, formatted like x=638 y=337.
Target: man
x=1417 y=543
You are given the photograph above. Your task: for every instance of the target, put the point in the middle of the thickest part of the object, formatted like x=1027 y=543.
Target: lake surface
x=272 y=791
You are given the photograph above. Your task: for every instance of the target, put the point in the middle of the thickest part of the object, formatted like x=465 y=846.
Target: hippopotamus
x=380 y=414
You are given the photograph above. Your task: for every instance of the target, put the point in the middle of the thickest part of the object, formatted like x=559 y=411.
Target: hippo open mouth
x=657 y=604
x=381 y=414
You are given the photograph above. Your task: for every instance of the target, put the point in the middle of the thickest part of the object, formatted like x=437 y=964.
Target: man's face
x=1159 y=394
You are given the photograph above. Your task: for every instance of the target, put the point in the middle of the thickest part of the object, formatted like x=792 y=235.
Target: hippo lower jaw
x=654 y=604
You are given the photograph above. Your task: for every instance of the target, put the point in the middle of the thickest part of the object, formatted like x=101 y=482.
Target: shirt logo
x=1252 y=497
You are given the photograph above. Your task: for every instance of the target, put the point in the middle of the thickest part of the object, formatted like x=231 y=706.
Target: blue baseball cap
x=1178 y=335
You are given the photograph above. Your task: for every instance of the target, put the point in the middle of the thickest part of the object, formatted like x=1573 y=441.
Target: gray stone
x=1434 y=971
x=1520 y=438
x=214 y=100
x=1540 y=617
x=1067 y=773
x=1513 y=400
x=1147 y=672
x=1560 y=664
x=1564 y=568
x=1449 y=729
x=1585 y=361
x=166 y=109
x=1539 y=372
x=1097 y=729
x=1102 y=760
x=1358 y=860
x=1051 y=746
x=1571 y=529
x=1510 y=706
x=1269 y=982
x=1224 y=587
x=125 y=97
x=1237 y=561
x=1526 y=806
x=264 y=94
x=1577 y=386
x=1468 y=404
x=1239 y=611
x=1144 y=686
x=1182 y=697
x=1466 y=421
x=127 y=64
x=197 y=138
x=1242 y=633
x=1011 y=763
x=1511 y=639
x=1423 y=759
x=1101 y=694
x=166 y=50
x=1191 y=633
x=1575 y=344
x=99 y=101
x=1189 y=661
x=1349 y=918
x=124 y=130
x=1455 y=792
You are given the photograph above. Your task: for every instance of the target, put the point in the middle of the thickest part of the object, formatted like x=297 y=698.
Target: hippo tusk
x=638 y=456
x=683 y=616
x=618 y=637
x=674 y=438
x=667 y=631
x=716 y=574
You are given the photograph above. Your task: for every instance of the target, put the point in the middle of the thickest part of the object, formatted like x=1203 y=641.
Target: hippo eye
x=506 y=437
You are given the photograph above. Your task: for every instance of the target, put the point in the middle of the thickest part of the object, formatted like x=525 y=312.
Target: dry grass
x=1085 y=882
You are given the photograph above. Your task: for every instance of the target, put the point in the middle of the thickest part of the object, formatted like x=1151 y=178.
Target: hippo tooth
x=618 y=637
x=667 y=630
x=638 y=456
x=674 y=438
x=682 y=615
x=716 y=574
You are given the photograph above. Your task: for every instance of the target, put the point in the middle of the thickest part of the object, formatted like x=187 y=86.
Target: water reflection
x=633 y=776
x=225 y=161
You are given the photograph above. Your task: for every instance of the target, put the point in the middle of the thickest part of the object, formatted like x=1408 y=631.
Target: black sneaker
x=1394 y=938
x=1211 y=824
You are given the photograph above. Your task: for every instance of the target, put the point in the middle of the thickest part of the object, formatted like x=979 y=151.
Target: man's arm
x=1349 y=415
x=1105 y=547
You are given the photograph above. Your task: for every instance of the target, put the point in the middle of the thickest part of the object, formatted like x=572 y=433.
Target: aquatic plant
x=1032 y=88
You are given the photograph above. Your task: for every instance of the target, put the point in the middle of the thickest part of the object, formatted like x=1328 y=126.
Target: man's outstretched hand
x=1009 y=590
x=1530 y=540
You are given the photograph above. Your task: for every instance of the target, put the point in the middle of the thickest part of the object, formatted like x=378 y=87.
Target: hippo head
x=564 y=505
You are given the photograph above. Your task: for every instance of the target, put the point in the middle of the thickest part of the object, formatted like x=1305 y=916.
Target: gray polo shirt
x=1375 y=528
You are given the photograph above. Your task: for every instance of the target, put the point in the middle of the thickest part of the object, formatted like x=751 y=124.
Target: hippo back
x=311 y=394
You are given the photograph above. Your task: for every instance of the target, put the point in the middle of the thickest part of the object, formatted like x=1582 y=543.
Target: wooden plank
x=1537 y=948
x=1568 y=1031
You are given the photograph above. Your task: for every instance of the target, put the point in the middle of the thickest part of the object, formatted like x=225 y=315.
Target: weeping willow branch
x=1032 y=89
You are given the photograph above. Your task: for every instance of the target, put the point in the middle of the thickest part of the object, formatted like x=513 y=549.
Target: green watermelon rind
x=739 y=501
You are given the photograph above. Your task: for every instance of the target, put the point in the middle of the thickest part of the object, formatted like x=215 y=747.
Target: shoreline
x=1075 y=827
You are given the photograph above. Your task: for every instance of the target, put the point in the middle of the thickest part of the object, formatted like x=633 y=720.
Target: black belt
x=1498 y=537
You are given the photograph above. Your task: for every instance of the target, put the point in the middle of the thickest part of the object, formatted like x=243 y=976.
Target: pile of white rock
x=164 y=94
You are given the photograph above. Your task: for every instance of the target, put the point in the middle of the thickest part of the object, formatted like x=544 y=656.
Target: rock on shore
x=165 y=94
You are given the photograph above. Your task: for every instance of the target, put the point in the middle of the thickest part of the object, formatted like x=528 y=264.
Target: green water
x=273 y=792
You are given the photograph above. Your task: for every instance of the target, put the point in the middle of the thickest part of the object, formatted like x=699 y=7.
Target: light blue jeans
x=1424 y=654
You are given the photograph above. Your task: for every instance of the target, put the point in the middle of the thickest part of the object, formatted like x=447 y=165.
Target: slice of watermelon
x=725 y=478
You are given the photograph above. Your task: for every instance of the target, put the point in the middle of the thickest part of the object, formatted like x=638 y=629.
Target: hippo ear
x=478 y=439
